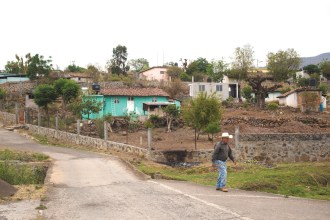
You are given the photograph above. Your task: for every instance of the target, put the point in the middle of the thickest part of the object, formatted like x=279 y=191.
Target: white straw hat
x=226 y=135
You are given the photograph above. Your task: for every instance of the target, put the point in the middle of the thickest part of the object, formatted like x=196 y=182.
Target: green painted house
x=140 y=101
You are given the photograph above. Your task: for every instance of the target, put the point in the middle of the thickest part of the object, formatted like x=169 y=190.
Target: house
x=78 y=77
x=140 y=101
x=12 y=78
x=302 y=98
x=302 y=74
x=157 y=73
x=224 y=90
x=270 y=97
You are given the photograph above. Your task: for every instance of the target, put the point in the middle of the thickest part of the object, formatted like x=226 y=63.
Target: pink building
x=157 y=73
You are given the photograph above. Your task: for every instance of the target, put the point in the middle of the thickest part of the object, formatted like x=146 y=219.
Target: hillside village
x=145 y=92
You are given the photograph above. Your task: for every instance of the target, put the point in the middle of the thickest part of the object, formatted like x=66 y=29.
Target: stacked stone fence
x=19 y=87
x=284 y=147
x=7 y=118
x=87 y=141
x=266 y=148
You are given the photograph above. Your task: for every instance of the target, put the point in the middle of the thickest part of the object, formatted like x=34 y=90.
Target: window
x=130 y=98
x=162 y=72
x=201 y=88
x=154 y=99
x=218 y=88
x=116 y=101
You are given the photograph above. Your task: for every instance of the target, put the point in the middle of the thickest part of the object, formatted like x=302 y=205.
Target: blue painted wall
x=119 y=107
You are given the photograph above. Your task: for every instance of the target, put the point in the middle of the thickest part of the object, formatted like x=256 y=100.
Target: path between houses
x=84 y=185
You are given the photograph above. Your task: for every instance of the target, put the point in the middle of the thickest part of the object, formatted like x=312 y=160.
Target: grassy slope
x=308 y=180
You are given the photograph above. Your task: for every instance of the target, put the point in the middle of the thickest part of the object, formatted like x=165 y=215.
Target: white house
x=157 y=73
x=303 y=98
x=224 y=90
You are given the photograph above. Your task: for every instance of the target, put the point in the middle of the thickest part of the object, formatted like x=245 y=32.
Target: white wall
x=209 y=89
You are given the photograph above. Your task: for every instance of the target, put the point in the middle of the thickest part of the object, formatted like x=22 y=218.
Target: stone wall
x=19 y=87
x=266 y=148
x=87 y=141
x=284 y=147
x=7 y=118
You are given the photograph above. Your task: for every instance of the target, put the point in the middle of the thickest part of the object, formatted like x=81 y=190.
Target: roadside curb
x=140 y=174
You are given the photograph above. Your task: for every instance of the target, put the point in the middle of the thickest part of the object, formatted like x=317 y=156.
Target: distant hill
x=314 y=60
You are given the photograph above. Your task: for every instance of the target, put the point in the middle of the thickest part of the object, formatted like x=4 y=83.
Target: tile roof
x=297 y=90
x=134 y=92
x=154 y=67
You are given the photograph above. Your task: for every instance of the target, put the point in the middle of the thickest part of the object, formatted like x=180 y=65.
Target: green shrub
x=324 y=88
x=247 y=93
x=185 y=77
x=272 y=106
x=148 y=124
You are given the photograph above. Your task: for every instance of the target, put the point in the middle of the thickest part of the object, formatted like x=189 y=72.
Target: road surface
x=86 y=185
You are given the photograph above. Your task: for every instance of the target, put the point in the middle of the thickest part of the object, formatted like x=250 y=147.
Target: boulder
x=6 y=189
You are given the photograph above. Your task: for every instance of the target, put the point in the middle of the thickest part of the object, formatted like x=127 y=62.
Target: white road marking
x=202 y=201
x=245 y=196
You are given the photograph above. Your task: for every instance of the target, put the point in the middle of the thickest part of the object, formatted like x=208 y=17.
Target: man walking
x=221 y=153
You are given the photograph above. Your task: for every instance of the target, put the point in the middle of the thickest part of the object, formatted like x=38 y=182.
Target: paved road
x=84 y=185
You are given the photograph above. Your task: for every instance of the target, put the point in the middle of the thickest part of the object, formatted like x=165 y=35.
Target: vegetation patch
x=25 y=170
x=307 y=180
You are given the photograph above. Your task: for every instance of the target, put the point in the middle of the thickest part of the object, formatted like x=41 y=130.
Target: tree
x=176 y=89
x=198 y=66
x=323 y=87
x=201 y=111
x=247 y=93
x=139 y=64
x=117 y=65
x=174 y=72
x=171 y=63
x=217 y=69
x=37 y=66
x=260 y=89
x=172 y=112
x=19 y=65
x=325 y=69
x=75 y=69
x=212 y=128
x=90 y=106
x=242 y=62
x=310 y=69
x=44 y=95
x=94 y=72
x=12 y=67
x=283 y=63
x=67 y=89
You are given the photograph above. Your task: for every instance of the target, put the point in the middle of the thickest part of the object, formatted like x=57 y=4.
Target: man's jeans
x=222 y=179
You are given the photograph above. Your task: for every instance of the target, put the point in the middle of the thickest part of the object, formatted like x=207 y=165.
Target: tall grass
x=15 y=168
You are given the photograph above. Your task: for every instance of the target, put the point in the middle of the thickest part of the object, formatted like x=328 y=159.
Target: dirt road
x=84 y=185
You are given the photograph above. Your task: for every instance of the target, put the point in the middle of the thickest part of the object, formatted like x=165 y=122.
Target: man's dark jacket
x=221 y=152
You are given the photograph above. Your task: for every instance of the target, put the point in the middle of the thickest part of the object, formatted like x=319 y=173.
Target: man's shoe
x=217 y=188
x=223 y=189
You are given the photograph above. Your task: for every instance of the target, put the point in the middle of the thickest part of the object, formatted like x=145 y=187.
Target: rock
x=6 y=189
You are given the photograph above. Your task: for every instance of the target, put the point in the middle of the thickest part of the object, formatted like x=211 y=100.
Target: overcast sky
x=86 y=31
